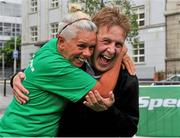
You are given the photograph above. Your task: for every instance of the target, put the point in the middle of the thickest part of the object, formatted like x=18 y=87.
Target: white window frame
x=140 y=11
x=54 y=3
x=53 y=29
x=34 y=33
x=34 y=6
x=138 y=55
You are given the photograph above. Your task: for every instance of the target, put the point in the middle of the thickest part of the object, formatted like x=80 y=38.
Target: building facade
x=172 y=15
x=149 y=52
x=40 y=23
x=10 y=25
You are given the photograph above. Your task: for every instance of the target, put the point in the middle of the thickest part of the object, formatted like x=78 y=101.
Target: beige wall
x=173 y=36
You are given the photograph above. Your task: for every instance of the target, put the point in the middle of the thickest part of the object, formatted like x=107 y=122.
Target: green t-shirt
x=52 y=81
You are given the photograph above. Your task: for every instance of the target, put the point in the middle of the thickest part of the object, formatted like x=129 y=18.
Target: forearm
x=108 y=80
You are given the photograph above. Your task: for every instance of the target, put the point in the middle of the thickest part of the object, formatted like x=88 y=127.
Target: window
x=34 y=33
x=54 y=3
x=139 y=53
x=7 y=29
x=33 y=5
x=53 y=29
x=18 y=29
x=140 y=16
x=1 y=28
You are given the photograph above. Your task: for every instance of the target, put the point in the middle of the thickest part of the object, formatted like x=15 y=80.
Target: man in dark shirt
x=121 y=119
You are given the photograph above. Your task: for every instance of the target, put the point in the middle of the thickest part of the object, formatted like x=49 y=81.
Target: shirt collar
x=90 y=70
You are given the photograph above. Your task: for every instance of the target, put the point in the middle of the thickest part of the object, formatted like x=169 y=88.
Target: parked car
x=172 y=80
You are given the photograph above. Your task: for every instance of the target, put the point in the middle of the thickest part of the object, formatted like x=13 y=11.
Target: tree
x=126 y=6
x=8 y=51
x=92 y=6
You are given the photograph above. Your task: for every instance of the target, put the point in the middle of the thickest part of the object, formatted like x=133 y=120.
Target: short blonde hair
x=74 y=7
x=110 y=16
x=76 y=21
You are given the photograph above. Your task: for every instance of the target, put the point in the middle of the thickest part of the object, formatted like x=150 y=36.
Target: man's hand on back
x=129 y=65
x=18 y=89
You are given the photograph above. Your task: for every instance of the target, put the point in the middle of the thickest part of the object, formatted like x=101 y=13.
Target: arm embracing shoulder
x=108 y=80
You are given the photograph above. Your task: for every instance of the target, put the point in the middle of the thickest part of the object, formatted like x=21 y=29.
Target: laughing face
x=78 y=49
x=109 y=45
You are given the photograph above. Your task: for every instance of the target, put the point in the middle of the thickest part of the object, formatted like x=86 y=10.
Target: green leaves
x=92 y=6
x=8 y=51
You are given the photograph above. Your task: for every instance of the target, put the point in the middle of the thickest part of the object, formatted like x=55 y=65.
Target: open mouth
x=105 y=59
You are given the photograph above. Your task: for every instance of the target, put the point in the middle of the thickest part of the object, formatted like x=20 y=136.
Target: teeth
x=106 y=57
x=82 y=59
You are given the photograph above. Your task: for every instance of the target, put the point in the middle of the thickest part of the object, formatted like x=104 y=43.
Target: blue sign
x=15 y=54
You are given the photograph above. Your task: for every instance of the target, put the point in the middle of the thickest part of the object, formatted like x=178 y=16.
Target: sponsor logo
x=151 y=104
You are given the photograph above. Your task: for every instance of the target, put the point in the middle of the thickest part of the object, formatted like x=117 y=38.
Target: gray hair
x=74 y=22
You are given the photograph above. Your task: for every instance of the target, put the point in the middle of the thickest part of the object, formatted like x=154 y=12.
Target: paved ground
x=5 y=100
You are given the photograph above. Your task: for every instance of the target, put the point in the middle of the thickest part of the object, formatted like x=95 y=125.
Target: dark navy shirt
x=120 y=120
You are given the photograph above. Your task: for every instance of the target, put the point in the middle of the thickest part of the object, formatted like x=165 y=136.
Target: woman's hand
x=97 y=103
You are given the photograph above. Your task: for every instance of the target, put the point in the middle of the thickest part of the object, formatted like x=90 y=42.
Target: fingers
x=88 y=100
x=20 y=94
x=19 y=99
x=18 y=89
x=17 y=83
x=98 y=97
x=127 y=61
x=92 y=98
x=111 y=96
x=87 y=104
x=124 y=50
x=94 y=101
x=21 y=75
